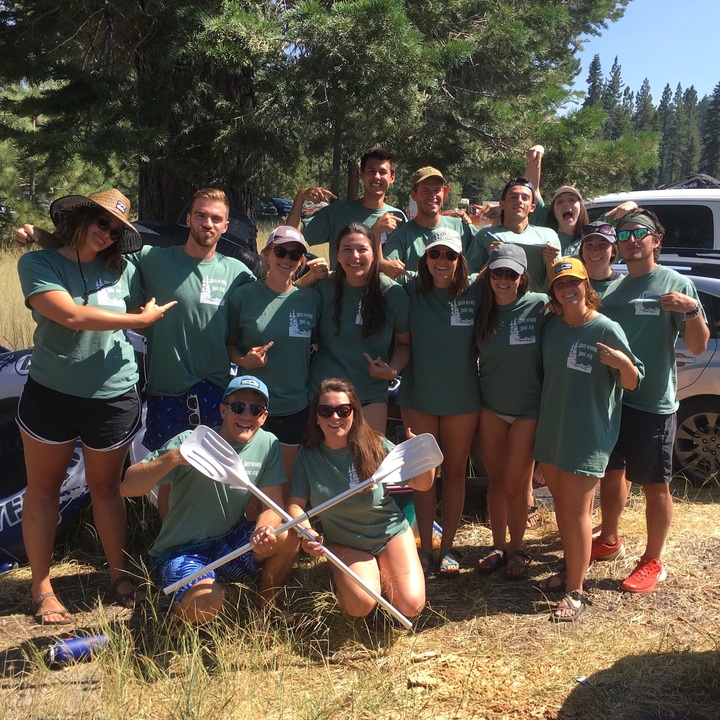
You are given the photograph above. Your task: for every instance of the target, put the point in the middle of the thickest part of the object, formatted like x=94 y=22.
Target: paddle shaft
x=304 y=532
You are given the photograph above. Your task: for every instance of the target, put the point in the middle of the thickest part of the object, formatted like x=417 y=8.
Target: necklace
x=579 y=322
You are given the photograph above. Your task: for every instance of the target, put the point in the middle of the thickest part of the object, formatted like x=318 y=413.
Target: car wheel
x=697 y=442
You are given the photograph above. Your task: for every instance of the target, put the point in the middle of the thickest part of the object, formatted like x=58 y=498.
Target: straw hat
x=113 y=201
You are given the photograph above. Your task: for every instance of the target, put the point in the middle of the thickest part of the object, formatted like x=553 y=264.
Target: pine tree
x=688 y=134
x=710 y=160
x=645 y=116
x=666 y=118
x=595 y=83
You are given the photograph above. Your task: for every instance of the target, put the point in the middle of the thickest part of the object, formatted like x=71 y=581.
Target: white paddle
x=404 y=462
x=216 y=458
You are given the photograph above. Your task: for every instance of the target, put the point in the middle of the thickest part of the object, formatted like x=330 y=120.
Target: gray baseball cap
x=508 y=255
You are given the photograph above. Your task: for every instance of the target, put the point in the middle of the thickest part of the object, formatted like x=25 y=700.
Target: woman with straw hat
x=81 y=382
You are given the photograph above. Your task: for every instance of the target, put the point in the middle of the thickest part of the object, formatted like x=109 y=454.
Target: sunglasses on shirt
x=238 y=408
x=342 y=411
x=281 y=252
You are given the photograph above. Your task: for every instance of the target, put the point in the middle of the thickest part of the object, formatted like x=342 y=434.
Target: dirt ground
x=482 y=649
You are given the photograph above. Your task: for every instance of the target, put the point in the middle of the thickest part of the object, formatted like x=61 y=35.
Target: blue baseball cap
x=247 y=382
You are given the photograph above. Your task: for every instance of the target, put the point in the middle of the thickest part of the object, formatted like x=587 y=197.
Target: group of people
x=518 y=332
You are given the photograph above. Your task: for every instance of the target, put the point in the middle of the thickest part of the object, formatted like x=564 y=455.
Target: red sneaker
x=603 y=551
x=645 y=577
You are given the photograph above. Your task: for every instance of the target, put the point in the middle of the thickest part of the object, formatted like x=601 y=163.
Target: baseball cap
x=524 y=182
x=567 y=189
x=508 y=255
x=247 y=382
x=444 y=236
x=427 y=172
x=568 y=267
x=603 y=229
x=286 y=234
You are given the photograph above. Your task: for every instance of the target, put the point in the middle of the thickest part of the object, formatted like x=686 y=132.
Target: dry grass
x=16 y=323
x=483 y=648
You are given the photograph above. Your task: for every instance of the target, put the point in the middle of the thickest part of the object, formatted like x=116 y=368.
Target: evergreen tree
x=645 y=115
x=595 y=83
x=688 y=134
x=710 y=160
x=666 y=118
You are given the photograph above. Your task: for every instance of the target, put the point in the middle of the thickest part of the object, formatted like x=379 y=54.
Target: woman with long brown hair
x=367 y=531
x=362 y=313
x=81 y=382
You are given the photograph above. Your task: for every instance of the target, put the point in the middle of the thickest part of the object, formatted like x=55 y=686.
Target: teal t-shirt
x=366 y=521
x=324 y=225
x=408 y=242
x=533 y=239
x=200 y=508
x=188 y=345
x=443 y=339
x=601 y=287
x=652 y=332
x=340 y=354
x=569 y=244
x=510 y=361
x=581 y=397
x=258 y=315
x=85 y=363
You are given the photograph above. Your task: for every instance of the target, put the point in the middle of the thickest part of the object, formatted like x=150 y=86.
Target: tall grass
x=16 y=323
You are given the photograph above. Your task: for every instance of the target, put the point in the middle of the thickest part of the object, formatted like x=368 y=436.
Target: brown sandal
x=39 y=617
x=534 y=520
x=492 y=560
x=126 y=599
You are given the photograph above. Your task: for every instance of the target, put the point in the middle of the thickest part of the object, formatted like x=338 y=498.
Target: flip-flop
x=449 y=565
x=39 y=617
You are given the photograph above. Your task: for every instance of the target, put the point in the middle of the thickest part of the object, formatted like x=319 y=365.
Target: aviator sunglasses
x=342 y=411
x=105 y=226
x=281 y=252
x=504 y=274
x=238 y=408
x=434 y=254
x=639 y=233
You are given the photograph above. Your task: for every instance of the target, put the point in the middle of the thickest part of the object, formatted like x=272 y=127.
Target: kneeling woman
x=368 y=531
x=588 y=363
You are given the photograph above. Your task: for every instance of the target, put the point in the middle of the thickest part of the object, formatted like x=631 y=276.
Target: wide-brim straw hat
x=113 y=201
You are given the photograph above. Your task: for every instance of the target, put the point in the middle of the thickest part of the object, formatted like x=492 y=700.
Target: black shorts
x=56 y=418
x=288 y=429
x=644 y=447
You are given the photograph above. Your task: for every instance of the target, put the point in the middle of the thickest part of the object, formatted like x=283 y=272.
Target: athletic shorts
x=56 y=418
x=288 y=429
x=168 y=416
x=644 y=447
x=178 y=563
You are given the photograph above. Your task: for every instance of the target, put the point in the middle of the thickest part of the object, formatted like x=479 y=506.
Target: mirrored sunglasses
x=639 y=233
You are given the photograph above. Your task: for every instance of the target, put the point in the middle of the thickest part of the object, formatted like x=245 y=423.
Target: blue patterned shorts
x=180 y=562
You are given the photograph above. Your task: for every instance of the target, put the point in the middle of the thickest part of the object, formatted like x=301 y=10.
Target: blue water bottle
x=6 y=566
x=76 y=649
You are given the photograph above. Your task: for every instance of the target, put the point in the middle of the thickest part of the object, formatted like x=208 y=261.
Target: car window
x=686 y=226
x=711 y=305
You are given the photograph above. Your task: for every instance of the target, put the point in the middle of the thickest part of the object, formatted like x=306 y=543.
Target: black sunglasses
x=504 y=273
x=639 y=233
x=342 y=411
x=105 y=226
x=193 y=404
x=281 y=252
x=434 y=254
x=605 y=229
x=238 y=408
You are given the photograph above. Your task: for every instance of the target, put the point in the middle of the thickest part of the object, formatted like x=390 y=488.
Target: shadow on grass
x=656 y=686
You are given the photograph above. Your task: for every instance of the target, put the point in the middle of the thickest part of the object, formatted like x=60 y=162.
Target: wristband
x=694 y=312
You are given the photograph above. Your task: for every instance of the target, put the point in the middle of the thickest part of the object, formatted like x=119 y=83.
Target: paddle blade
x=409 y=459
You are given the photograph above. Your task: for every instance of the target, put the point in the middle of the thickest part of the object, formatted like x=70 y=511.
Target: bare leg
x=276 y=567
x=613 y=498
x=494 y=434
x=200 y=603
x=353 y=599
x=658 y=516
x=289 y=453
x=46 y=466
x=376 y=416
x=518 y=477
x=401 y=574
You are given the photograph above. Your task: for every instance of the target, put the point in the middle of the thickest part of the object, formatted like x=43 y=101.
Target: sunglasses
x=193 y=404
x=605 y=229
x=104 y=225
x=450 y=255
x=281 y=252
x=342 y=411
x=639 y=233
x=238 y=408
x=504 y=274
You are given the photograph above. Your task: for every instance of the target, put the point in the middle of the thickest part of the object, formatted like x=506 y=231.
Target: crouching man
x=207 y=519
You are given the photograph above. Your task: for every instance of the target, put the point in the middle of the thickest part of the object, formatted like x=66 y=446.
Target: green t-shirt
x=510 y=361
x=200 y=508
x=86 y=363
x=340 y=354
x=533 y=239
x=603 y=286
x=441 y=324
x=258 y=315
x=324 y=225
x=581 y=397
x=188 y=345
x=634 y=304
x=366 y=521
x=569 y=244
x=408 y=241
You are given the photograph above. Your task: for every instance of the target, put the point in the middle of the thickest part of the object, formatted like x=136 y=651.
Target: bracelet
x=694 y=312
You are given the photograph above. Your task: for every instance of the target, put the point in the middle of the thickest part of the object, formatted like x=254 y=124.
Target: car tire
x=696 y=451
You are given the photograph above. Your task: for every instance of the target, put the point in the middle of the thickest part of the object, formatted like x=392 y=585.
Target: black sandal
x=576 y=611
x=517 y=560
x=492 y=560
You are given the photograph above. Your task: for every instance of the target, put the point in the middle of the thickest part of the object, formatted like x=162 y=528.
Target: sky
x=666 y=41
